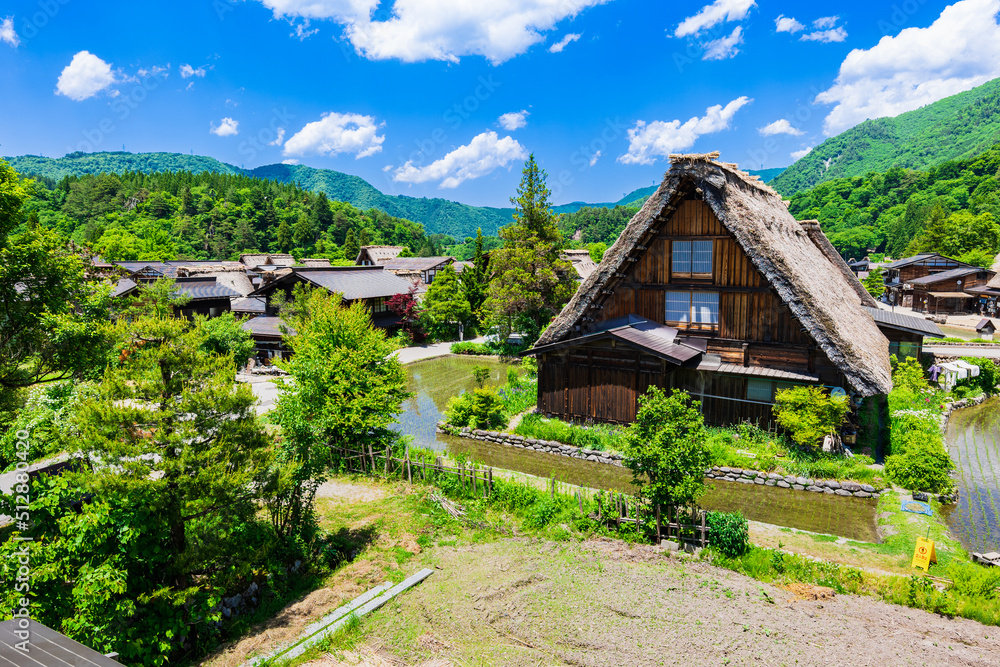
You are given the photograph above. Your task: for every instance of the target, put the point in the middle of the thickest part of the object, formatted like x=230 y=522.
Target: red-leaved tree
x=407 y=308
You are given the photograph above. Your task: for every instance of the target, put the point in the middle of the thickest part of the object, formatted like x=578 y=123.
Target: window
x=691 y=259
x=695 y=309
x=903 y=350
x=759 y=390
x=379 y=305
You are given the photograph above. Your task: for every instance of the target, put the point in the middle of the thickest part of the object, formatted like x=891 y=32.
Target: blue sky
x=432 y=99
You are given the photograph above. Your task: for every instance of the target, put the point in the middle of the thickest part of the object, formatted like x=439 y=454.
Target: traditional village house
x=900 y=273
x=945 y=293
x=581 y=261
x=376 y=255
x=988 y=295
x=715 y=289
x=904 y=332
x=265 y=261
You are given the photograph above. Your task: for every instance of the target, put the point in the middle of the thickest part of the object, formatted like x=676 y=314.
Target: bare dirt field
x=526 y=601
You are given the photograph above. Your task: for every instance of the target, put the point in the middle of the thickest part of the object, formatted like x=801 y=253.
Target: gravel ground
x=520 y=602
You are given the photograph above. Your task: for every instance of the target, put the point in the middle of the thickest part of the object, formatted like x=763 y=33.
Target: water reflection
x=973 y=439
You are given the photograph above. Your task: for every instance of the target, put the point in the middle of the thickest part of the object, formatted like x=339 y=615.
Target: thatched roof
x=581 y=261
x=814 y=288
x=379 y=254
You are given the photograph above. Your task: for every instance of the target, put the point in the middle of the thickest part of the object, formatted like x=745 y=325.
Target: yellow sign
x=924 y=554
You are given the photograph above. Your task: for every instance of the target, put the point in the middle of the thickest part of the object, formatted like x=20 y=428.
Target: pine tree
x=284 y=236
x=321 y=216
x=531 y=283
x=304 y=233
x=364 y=238
x=351 y=246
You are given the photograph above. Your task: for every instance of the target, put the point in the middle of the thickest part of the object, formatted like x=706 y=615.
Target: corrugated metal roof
x=266 y=326
x=351 y=282
x=657 y=339
x=904 y=322
x=906 y=261
x=945 y=275
x=124 y=286
x=48 y=648
x=415 y=263
x=766 y=373
x=203 y=289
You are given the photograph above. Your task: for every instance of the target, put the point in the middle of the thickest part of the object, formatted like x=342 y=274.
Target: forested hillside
x=952 y=208
x=139 y=216
x=959 y=126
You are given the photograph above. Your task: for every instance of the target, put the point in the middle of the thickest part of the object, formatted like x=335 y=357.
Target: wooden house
x=945 y=293
x=905 y=333
x=372 y=285
x=268 y=337
x=376 y=255
x=420 y=271
x=715 y=289
x=901 y=272
x=581 y=261
x=206 y=295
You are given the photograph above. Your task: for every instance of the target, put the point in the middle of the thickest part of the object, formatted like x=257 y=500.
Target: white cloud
x=418 y=30
x=337 y=133
x=227 y=128
x=594 y=158
x=290 y=161
x=959 y=51
x=649 y=141
x=787 y=24
x=564 y=42
x=302 y=31
x=155 y=70
x=85 y=76
x=798 y=155
x=280 y=138
x=7 y=33
x=481 y=156
x=780 y=126
x=710 y=15
x=826 y=36
x=724 y=47
x=187 y=71
x=825 y=22
x=514 y=120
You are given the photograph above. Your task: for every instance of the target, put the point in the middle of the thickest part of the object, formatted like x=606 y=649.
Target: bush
x=987 y=380
x=226 y=335
x=471 y=348
x=909 y=376
x=974 y=581
x=480 y=408
x=809 y=414
x=730 y=533
x=921 y=468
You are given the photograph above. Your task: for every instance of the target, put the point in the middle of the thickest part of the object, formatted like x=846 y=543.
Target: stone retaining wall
x=721 y=473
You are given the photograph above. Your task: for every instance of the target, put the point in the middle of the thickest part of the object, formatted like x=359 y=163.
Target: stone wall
x=721 y=473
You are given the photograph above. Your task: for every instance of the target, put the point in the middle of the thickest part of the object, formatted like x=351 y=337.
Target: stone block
x=670 y=545
x=798 y=487
x=842 y=492
x=783 y=484
x=758 y=480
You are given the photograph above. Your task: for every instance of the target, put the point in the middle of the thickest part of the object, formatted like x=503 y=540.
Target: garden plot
x=973 y=440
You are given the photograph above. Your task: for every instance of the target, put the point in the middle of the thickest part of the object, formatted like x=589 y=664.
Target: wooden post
x=657 y=523
x=552 y=493
x=473 y=471
x=409 y=471
x=371 y=455
x=703 y=516
x=385 y=468
x=491 y=480
x=437 y=464
x=618 y=512
x=579 y=500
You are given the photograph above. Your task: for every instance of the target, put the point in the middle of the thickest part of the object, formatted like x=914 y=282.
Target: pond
x=973 y=439
x=953 y=332
x=434 y=381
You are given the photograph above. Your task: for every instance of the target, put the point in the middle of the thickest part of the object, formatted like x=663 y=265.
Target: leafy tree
x=480 y=408
x=809 y=414
x=665 y=448
x=225 y=336
x=597 y=251
x=530 y=283
x=407 y=308
x=445 y=305
x=475 y=278
x=874 y=282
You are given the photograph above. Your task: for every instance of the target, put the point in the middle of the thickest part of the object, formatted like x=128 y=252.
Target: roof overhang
x=641 y=334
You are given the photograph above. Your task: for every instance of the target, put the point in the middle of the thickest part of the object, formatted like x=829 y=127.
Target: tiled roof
x=352 y=282
x=199 y=290
x=415 y=263
x=765 y=373
x=249 y=304
x=950 y=274
x=266 y=326
x=124 y=286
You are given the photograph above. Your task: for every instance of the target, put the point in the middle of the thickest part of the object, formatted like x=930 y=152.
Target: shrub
x=480 y=408
x=909 y=376
x=921 y=468
x=226 y=335
x=987 y=380
x=809 y=414
x=730 y=533
x=471 y=348
x=974 y=581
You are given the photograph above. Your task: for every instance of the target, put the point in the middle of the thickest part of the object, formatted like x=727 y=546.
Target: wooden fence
x=685 y=525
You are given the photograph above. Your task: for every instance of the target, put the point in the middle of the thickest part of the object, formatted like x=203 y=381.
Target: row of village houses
x=713 y=288
x=936 y=285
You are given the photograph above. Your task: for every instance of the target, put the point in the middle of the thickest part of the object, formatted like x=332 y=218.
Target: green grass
x=600 y=437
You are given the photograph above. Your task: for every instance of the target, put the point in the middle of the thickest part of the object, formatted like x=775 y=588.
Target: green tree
x=665 y=448
x=284 y=236
x=809 y=414
x=874 y=282
x=530 y=282
x=475 y=278
x=445 y=305
x=351 y=246
x=225 y=336
x=303 y=234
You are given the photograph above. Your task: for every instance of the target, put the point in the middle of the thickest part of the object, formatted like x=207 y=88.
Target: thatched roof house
x=377 y=254
x=772 y=293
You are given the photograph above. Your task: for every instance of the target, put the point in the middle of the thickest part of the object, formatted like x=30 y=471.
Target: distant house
x=266 y=261
x=267 y=337
x=900 y=273
x=376 y=255
x=905 y=333
x=372 y=285
x=946 y=293
x=420 y=271
x=206 y=296
x=715 y=289
x=581 y=261
x=213 y=285
x=988 y=295
x=986 y=328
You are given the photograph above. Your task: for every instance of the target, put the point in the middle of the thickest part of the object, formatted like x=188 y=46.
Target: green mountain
x=959 y=126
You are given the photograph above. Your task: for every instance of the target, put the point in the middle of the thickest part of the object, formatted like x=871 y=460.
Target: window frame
x=677 y=247
x=691 y=323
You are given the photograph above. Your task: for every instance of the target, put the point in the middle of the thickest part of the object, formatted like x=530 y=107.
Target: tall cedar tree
x=475 y=278
x=445 y=304
x=530 y=283
x=351 y=246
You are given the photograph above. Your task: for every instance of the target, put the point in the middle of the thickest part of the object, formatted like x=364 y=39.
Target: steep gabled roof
x=379 y=254
x=814 y=289
x=581 y=261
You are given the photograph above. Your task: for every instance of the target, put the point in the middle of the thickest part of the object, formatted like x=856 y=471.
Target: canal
x=434 y=381
x=973 y=438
